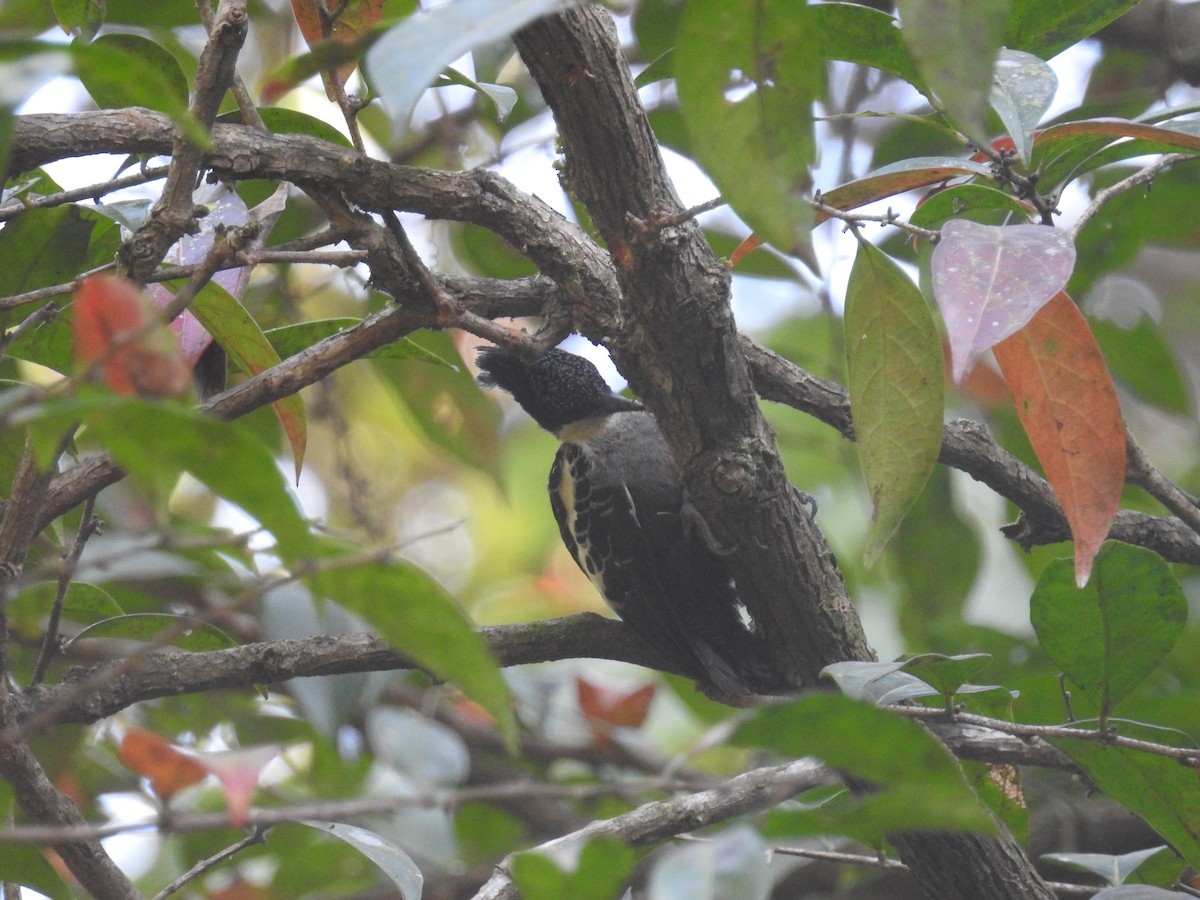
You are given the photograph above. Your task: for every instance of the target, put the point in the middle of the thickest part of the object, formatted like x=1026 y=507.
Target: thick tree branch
x=586 y=286
x=44 y=804
x=757 y=790
x=679 y=348
x=680 y=351
x=174 y=214
x=89 y=694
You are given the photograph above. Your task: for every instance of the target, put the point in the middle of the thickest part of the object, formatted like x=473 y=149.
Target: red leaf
x=1065 y=398
x=897 y=179
x=1118 y=128
x=604 y=709
x=167 y=767
x=116 y=330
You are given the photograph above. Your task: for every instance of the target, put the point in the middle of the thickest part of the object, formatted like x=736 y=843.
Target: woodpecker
x=622 y=512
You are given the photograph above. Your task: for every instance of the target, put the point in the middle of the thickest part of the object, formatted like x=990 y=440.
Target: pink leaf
x=989 y=281
x=238 y=772
x=226 y=209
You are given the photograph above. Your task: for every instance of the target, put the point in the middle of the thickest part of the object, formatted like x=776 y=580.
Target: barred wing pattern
x=613 y=535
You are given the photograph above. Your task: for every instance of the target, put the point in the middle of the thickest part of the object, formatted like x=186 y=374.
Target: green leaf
x=604 y=865
x=499 y=97
x=935 y=554
x=907 y=764
x=898 y=178
x=237 y=332
x=919 y=786
x=486 y=253
x=290 y=339
x=954 y=43
x=1150 y=138
x=150 y=15
x=190 y=633
x=26 y=15
x=82 y=17
x=446 y=404
x=1113 y=869
x=85 y=240
x=84 y=603
x=976 y=202
x=1022 y=90
x=1142 y=360
x=897 y=387
x=656 y=27
x=395 y=863
x=999 y=786
x=1135 y=892
x=288 y=121
x=1109 y=636
x=733 y=863
x=1158 y=789
x=880 y=683
x=414 y=614
x=156 y=441
x=1046 y=29
x=44 y=247
x=1132 y=220
x=410 y=55
x=947 y=673
x=26 y=865
x=748 y=73
x=122 y=70
x=862 y=35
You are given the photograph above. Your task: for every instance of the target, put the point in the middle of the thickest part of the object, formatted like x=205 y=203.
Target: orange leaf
x=168 y=768
x=749 y=245
x=605 y=709
x=357 y=17
x=1068 y=406
x=116 y=329
x=983 y=383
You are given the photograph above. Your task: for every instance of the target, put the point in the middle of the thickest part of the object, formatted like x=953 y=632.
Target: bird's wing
x=656 y=576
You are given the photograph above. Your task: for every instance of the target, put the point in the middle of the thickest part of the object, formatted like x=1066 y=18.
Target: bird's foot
x=807 y=500
x=694 y=524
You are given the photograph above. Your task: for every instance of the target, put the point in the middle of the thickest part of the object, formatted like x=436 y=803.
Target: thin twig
x=37 y=318
x=237 y=87
x=1188 y=756
x=884 y=862
x=857 y=859
x=227 y=244
x=280 y=254
x=174 y=212
x=743 y=794
x=1144 y=175
x=1143 y=473
x=340 y=810
x=888 y=218
x=658 y=223
x=88 y=192
x=88 y=525
x=257 y=836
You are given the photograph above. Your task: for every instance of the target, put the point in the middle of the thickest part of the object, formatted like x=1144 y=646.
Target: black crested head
x=557 y=389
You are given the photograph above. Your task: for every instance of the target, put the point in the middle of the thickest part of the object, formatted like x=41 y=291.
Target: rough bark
x=679 y=349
